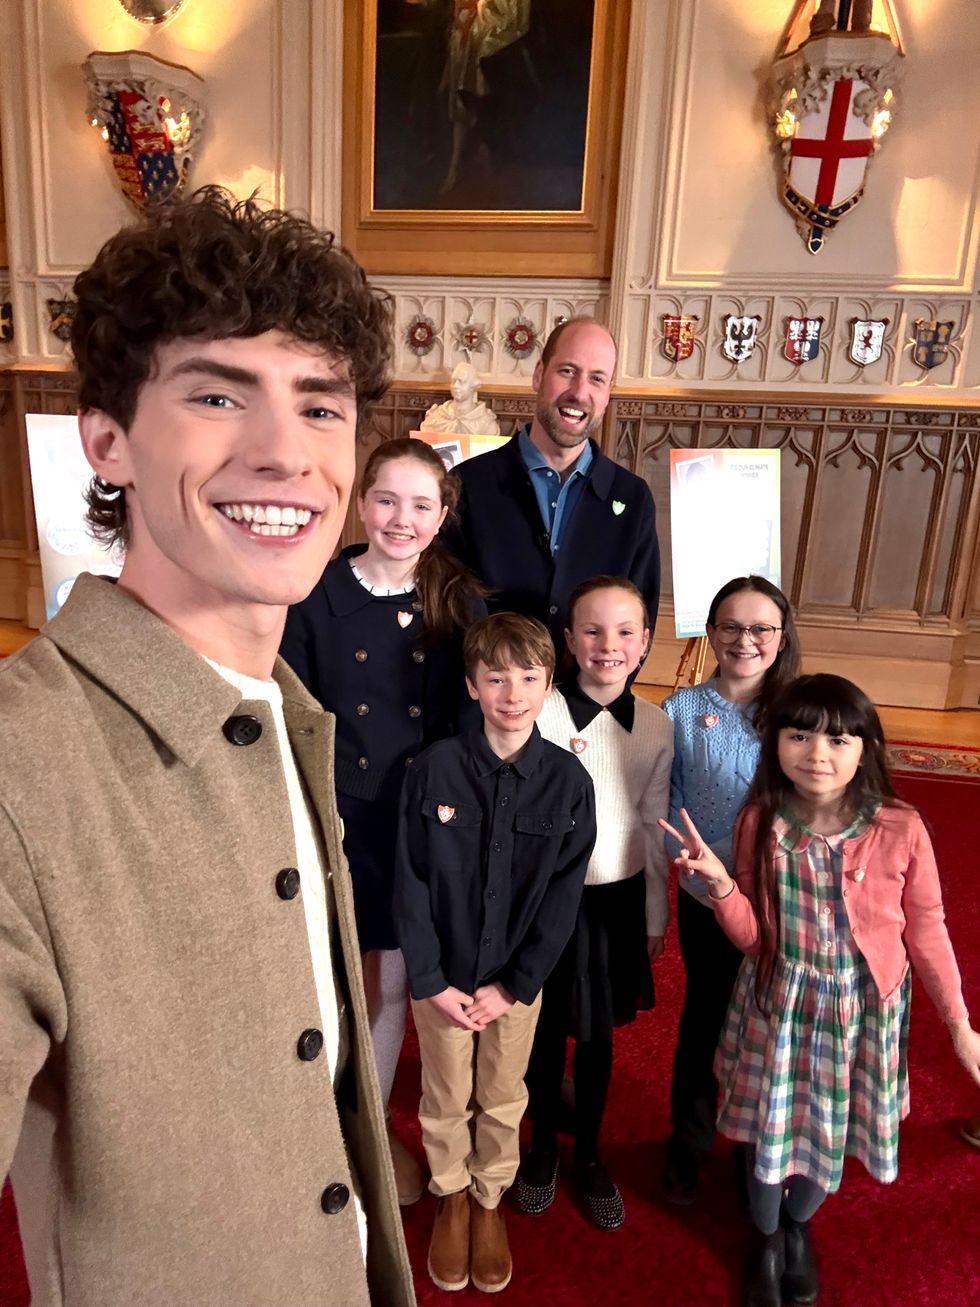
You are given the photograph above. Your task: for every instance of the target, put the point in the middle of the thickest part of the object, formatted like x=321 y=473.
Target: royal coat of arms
x=802 y=339
x=679 y=333
x=867 y=339
x=932 y=341
x=151 y=114
x=740 y=337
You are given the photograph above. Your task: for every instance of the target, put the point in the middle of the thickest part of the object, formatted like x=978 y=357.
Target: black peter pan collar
x=584 y=710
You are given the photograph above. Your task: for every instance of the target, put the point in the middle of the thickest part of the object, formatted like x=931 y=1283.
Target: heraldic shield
x=802 y=339
x=867 y=339
x=827 y=160
x=932 y=341
x=740 y=337
x=679 y=333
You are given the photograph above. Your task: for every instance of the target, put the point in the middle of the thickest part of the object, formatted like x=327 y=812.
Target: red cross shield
x=827 y=161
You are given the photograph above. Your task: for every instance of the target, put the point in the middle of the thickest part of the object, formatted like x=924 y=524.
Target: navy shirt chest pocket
x=538 y=833
x=452 y=831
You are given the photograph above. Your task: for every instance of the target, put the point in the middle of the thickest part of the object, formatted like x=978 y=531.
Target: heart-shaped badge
x=710 y=719
x=445 y=813
x=405 y=619
x=618 y=507
x=578 y=744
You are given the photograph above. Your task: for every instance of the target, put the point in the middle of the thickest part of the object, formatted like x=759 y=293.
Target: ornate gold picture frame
x=531 y=103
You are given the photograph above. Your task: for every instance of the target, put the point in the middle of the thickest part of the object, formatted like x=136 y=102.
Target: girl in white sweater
x=603 y=977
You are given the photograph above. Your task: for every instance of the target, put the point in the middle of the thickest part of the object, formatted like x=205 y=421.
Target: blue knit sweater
x=714 y=762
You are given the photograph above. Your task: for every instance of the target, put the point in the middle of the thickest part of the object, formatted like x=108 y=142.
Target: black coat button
x=415 y=711
x=287 y=883
x=309 y=1045
x=363 y=764
x=361 y=655
x=334 y=1198
x=418 y=656
x=242 y=730
x=553 y=609
x=362 y=709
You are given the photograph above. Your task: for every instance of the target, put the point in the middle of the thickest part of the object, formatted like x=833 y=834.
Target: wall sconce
x=151 y=11
x=833 y=93
x=150 y=114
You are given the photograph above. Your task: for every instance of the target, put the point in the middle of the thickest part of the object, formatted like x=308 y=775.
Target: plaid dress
x=826 y=1075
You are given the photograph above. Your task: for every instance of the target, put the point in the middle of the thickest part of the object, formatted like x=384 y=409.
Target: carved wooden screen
x=879 y=503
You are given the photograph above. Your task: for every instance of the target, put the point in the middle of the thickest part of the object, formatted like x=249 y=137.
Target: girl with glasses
x=716 y=749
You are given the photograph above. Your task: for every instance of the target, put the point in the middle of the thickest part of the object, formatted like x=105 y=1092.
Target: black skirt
x=606 y=960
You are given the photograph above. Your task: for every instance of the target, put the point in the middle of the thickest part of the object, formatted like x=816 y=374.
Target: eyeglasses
x=760 y=633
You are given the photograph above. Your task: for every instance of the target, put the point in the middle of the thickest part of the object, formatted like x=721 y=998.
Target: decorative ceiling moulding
x=152 y=12
x=834 y=86
x=151 y=115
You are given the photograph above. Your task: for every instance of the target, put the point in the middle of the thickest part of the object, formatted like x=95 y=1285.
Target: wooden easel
x=690 y=669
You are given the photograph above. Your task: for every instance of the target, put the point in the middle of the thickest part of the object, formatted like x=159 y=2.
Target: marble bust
x=465 y=414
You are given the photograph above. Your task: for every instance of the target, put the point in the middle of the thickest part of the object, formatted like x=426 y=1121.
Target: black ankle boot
x=801 y=1284
x=764 y=1270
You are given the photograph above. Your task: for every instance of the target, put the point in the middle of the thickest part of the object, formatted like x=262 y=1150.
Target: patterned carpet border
x=962 y=761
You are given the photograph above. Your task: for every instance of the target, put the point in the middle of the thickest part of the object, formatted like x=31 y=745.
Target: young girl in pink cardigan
x=835 y=892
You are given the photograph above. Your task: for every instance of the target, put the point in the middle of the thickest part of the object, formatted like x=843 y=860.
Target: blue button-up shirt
x=555 y=500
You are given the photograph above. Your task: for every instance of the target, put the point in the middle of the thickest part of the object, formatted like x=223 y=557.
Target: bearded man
x=549 y=509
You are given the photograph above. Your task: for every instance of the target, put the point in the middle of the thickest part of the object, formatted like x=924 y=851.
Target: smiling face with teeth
x=608 y=638
x=401 y=511
x=237 y=470
x=573 y=390
x=743 y=664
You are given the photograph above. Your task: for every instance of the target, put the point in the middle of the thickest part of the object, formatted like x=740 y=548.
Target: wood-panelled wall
x=880 y=517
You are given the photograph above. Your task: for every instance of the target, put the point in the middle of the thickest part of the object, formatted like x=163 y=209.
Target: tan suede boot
x=449 y=1247
x=490 y=1261
x=409 y=1180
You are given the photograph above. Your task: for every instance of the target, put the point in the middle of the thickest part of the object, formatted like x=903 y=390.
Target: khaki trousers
x=473 y=1098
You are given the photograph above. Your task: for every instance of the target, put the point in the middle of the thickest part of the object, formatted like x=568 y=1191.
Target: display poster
x=60 y=474
x=724 y=522
x=453 y=448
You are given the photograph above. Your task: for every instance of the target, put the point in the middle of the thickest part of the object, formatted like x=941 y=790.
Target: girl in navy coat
x=379 y=644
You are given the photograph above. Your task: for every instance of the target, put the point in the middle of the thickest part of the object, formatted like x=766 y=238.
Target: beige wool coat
x=172 y=1148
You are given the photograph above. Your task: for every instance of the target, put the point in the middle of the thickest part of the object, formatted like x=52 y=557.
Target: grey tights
x=802 y=1198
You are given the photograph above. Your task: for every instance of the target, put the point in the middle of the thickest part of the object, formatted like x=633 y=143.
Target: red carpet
x=911 y=1244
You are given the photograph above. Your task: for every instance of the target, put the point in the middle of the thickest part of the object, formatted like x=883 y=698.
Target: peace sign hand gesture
x=702 y=861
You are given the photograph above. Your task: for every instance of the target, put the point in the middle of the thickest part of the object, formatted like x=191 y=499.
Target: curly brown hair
x=212 y=266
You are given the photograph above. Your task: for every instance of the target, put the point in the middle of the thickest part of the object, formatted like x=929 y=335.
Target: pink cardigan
x=891 y=896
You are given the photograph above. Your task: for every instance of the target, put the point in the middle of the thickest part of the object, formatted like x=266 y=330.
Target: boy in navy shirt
x=495 y=833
